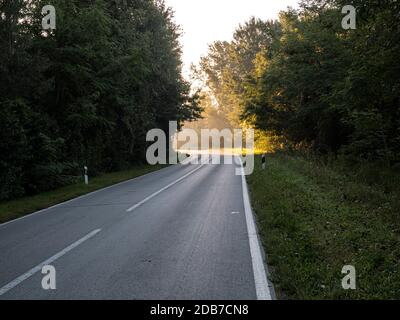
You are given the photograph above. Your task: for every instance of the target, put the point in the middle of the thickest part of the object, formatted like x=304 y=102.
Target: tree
x=87 y=92
x=229 y=64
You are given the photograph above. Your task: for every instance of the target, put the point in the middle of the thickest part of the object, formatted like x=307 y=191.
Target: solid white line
x=260 y=277
x=162 y=190
x=39 y=267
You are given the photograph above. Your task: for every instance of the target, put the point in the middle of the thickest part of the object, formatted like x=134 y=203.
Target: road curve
x=188 y=240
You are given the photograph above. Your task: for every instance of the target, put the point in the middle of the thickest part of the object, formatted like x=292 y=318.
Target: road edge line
x=81 y=197
x=259 y=271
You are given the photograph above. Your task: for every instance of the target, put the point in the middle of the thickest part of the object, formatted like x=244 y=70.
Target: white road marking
x=162 y=190
x=260 y=277
x=80 y=197
x=39 y=267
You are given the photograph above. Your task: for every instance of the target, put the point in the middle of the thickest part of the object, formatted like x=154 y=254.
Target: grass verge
x=10 y=210
x=315 y=219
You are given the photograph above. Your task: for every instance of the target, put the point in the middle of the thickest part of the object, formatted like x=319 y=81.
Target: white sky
x=205 y=21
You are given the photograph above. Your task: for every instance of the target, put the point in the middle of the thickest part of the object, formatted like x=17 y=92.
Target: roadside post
x=264 y=161
x=86 y=175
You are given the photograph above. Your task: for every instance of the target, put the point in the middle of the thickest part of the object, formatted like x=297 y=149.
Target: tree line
x=87 y=92
x=305 y=82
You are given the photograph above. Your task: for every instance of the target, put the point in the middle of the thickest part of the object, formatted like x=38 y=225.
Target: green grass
x=316 y=218
x=17 y=208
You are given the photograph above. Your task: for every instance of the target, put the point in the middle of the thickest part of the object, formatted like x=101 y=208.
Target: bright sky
x=205 y=21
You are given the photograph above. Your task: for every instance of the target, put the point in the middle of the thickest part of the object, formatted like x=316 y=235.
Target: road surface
x=178 y=233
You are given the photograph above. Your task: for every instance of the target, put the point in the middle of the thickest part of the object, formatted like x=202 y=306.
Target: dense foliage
x=87 y=92
x=313 y=84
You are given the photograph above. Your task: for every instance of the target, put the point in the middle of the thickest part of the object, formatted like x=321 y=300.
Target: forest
x=86 y=93
x=306 y=83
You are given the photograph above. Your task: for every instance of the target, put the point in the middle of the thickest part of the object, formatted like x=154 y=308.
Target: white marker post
x=86 y=175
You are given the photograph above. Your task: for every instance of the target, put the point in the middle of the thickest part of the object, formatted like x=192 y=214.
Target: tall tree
x=87 y=92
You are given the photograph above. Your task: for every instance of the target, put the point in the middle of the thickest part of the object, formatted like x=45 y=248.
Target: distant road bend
x=184 y=232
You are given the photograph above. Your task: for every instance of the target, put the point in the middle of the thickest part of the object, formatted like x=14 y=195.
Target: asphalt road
x=179 y=233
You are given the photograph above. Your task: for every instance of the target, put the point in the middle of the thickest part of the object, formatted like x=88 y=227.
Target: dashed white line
x=80 y=197
x=163 y=189
x=39 y=267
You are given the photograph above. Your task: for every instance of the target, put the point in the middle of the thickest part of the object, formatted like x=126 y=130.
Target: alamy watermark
x=49 y=280
x=49 y=20
x=349 y=20
x=349 y=281
x=209 y=146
